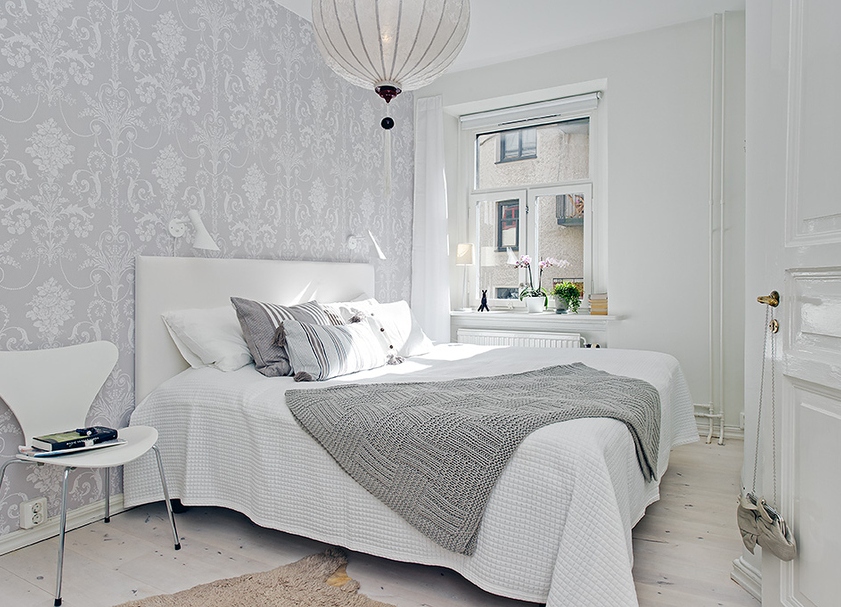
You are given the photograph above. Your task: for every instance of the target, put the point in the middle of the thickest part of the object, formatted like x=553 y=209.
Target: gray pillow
x=260 y=323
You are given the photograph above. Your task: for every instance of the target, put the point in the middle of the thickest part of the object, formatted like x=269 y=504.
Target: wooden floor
x=683 y=551
x=685 y=545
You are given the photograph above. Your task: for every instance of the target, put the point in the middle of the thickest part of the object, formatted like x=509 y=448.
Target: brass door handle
x=772 y=299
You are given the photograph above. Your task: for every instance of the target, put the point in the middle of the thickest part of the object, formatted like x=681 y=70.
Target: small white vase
x=534 y=304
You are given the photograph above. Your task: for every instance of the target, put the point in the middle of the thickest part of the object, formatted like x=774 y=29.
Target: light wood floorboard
x=683 y=550
x=685 y=545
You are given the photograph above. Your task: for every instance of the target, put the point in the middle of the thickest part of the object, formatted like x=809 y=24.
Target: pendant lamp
x=390 y=46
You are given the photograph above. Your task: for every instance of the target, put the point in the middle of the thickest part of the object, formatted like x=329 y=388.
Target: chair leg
x=107 y=495
x=62 y=528
x=7 y=464
x=166 y=498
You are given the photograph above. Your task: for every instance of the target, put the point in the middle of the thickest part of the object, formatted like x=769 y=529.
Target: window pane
x=550 y=153
x=562 y=240
x=510 y=142
x=569 y=209
x=528 y=138
x=508 y=225
x=498 y=235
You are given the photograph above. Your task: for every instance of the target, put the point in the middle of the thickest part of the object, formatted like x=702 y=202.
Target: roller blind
x=532 y=113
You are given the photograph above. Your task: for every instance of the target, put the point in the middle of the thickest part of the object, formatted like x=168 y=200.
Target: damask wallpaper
x=118 y=115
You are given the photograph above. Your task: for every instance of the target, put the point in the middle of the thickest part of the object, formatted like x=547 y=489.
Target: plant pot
x=560 y=305
x=535 y=304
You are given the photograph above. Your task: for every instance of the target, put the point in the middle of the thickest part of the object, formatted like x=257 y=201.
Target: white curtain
x=430 y=254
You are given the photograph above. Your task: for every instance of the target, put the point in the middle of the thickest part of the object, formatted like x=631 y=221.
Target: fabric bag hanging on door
x=758 y=522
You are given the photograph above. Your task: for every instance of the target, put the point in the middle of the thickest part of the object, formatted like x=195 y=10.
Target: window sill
x=517 y=159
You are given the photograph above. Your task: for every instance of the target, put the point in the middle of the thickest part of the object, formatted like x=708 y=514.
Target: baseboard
x=748 y=577
x=76 y=518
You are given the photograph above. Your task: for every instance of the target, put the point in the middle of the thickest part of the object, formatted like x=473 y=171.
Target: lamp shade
x=464 y=254
x=390 y=45
x=203 y=239
x=380 y=253
x=510 y=257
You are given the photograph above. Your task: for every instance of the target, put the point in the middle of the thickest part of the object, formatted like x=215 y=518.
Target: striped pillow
x=319 y=352
x=260 y=323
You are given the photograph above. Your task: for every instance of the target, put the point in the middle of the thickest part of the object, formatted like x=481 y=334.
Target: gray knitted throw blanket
x=432 y=451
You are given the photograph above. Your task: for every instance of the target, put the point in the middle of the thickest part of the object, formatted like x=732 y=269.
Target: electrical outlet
x=33 y=513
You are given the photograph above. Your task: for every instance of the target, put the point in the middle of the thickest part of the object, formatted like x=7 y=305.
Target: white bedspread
x=557 y=528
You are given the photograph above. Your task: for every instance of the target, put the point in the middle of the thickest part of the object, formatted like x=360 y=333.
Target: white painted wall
x=655 y=134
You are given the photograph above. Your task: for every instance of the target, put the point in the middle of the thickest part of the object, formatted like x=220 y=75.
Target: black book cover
x=74 y=438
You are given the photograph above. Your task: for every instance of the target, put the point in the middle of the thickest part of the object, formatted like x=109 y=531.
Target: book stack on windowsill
x=598 y=304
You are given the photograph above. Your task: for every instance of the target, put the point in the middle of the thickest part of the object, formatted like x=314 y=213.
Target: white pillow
x=345 y=310
x=209 y=337
x=192 y=359
x=400 y=328
x=318 y=352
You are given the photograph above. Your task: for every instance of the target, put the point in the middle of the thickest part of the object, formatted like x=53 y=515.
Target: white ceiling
x=510 y=29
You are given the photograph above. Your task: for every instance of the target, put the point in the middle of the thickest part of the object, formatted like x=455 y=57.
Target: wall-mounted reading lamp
x=203 y=239
x=354 y=242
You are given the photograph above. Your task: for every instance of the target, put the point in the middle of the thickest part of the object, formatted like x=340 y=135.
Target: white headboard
x=176 y=283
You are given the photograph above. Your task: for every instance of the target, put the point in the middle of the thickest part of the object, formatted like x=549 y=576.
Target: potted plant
x=568 y=293
x=535 y=298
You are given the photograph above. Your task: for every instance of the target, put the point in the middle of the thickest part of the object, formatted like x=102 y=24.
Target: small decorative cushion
x=385 y=341
x=348 y=309
x=209 y=337
x=400 y=329
x=319 y=352
x=260 y=323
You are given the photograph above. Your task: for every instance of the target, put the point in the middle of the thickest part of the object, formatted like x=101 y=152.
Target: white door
x=793 y=245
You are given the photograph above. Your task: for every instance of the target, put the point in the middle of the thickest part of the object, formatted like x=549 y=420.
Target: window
x=540 y=205
x=559 y=152
x=508 y=225
x=518 y=144
x=498 y=235
x=499 y=232
x=569 y=209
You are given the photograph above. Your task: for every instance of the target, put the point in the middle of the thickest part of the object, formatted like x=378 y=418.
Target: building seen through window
x=518 y=144
x=531 y=191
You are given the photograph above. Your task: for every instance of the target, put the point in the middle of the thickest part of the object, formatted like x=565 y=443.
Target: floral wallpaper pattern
x=119 y=115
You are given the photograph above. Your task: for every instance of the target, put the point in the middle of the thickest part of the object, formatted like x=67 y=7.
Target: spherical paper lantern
x=390 y=45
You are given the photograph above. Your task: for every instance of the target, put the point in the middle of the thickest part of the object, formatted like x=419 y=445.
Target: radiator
x=484 y=337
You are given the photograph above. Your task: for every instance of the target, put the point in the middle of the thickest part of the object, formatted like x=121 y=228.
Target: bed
x=557 y=527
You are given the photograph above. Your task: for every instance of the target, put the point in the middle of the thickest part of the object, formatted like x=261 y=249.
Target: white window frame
x=582 y=187
x=520 y=194
x=595 y=232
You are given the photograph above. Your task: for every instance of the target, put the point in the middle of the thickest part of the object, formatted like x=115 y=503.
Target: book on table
x=74 y=439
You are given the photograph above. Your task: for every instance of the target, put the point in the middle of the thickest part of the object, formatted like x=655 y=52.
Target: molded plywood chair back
x=52 y=390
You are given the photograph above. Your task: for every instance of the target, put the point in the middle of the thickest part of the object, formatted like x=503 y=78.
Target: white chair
x=51 y=391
